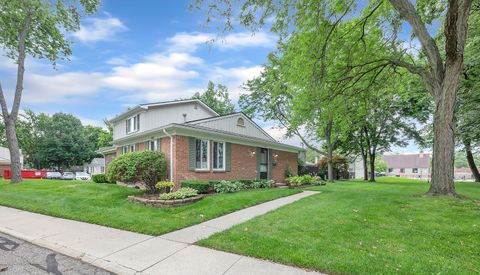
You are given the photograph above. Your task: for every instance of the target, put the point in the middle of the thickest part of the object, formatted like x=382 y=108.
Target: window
x=202 y=149
x=390 y=170
x=102 y=169
x=133 y=124
x=415 y=170
x=152 y=145
x=240 y=122
x=218 y=155
x=402 y=170
x=124 y=149
x=133 y=148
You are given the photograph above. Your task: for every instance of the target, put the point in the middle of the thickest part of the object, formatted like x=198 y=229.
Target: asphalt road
x=20 y=257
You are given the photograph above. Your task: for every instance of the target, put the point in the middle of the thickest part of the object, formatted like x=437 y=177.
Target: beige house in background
x=415 y=166
x=5 y=160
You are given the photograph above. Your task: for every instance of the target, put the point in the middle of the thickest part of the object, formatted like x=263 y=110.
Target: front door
x=263 y=163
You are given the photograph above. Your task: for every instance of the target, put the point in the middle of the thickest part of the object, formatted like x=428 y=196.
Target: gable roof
x=146 y=106
x=421 y=160
x=228 y=123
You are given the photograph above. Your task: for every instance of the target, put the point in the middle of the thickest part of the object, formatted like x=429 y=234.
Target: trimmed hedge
x=202 y=186
x=100 y=178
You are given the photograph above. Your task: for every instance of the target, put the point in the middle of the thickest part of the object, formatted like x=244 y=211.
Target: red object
x=27 y=174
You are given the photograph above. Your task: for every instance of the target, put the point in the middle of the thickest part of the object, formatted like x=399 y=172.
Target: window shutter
x=191 y=153
x=258 y=154
x=138 y=122
x=126 y=126
x=228 y=156
x=270 y=165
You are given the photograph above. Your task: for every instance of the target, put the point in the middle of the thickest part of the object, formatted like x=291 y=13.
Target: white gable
x=233 y=124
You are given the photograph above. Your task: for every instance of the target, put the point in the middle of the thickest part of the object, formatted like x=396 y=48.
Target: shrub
x=247 y=182
x=165 y=185
x=303 y=180
x=226 y=186
x=148 y=167
x=100 y=178
x=262 y=184
x=202 y=186
x=181 y=193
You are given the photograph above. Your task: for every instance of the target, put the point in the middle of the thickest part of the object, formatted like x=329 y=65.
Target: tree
x=468 y=105
x=216 y=98
x=36 y=28
x=381 y=166
x=440 y=74
x=63 y=143
x=96 y=138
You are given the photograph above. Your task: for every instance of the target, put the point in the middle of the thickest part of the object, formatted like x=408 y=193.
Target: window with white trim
x=133 y=147
x=202 y=156
x=152 y=145
x=133 y=124
x=124 y=149
x=218 y=155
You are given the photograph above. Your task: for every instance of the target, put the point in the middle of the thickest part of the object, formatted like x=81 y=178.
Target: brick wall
x=243 y=163
x=109 y=158
x=284 y=160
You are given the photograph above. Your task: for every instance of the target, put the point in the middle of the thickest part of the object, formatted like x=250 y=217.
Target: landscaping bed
x=155 y=201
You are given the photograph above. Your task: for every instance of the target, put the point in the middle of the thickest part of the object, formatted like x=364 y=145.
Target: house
x=200 y=144
x=5 y=160
x=408 y=165
x=96 y=166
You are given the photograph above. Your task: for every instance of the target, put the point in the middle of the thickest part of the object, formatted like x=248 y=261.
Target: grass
x=107 y=204
x=367 y=228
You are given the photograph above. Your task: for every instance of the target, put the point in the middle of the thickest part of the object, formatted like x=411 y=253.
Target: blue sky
x=133 y=52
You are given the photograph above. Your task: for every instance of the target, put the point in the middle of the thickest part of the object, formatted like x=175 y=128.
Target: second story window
x=132 y=124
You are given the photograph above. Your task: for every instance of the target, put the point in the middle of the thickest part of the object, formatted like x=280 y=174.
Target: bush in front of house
x=181 y=193
x=148 y=167
x=202 y=186
x=100 y=178
x=303 y=180
x=226 y=186
x=166 y=186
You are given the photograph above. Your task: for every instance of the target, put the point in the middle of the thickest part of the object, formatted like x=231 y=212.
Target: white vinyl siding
x=202 y=154
x=218 y=155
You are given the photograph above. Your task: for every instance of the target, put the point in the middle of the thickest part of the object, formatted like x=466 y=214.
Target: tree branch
x=409 y=13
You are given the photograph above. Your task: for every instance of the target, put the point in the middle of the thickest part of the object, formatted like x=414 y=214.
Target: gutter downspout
x=171 y=153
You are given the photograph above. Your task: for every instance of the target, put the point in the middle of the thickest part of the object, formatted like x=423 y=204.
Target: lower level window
x=218 y=155
x=202 y=148
x=153 y=145
x=414 y=170
x=402 y=170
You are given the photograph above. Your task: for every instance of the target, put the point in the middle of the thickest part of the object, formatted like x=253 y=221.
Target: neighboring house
x=463 y=174
x=408 y=165
x=200 y=144
x=96 y=166
x=355 y=168
x=5 y=160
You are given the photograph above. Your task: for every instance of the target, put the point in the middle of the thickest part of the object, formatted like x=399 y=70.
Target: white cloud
x=189 y=42
x=117 y=61
x=60 y=87
x=234 y=78
x=99 y=29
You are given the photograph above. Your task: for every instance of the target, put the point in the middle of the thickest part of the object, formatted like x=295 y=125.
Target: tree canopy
x=217 y=98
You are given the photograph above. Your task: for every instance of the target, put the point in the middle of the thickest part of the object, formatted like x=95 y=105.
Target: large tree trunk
x=471 y=161
x=443 y=136
x=16 y=166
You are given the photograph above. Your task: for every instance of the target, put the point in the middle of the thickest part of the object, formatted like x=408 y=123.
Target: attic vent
x=240 y=122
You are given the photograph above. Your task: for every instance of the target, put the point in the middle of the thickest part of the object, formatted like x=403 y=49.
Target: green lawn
x=365 y=228
x=107 y=204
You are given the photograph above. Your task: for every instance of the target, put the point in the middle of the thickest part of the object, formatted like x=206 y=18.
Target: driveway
x=20 y=257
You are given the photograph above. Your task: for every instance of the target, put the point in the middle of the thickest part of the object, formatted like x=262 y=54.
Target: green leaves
x=216 y=98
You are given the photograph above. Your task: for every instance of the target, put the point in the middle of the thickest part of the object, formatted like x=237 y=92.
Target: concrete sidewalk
x=125 y=252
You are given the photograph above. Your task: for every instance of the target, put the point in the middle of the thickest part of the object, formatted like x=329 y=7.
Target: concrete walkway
x=125 y=252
